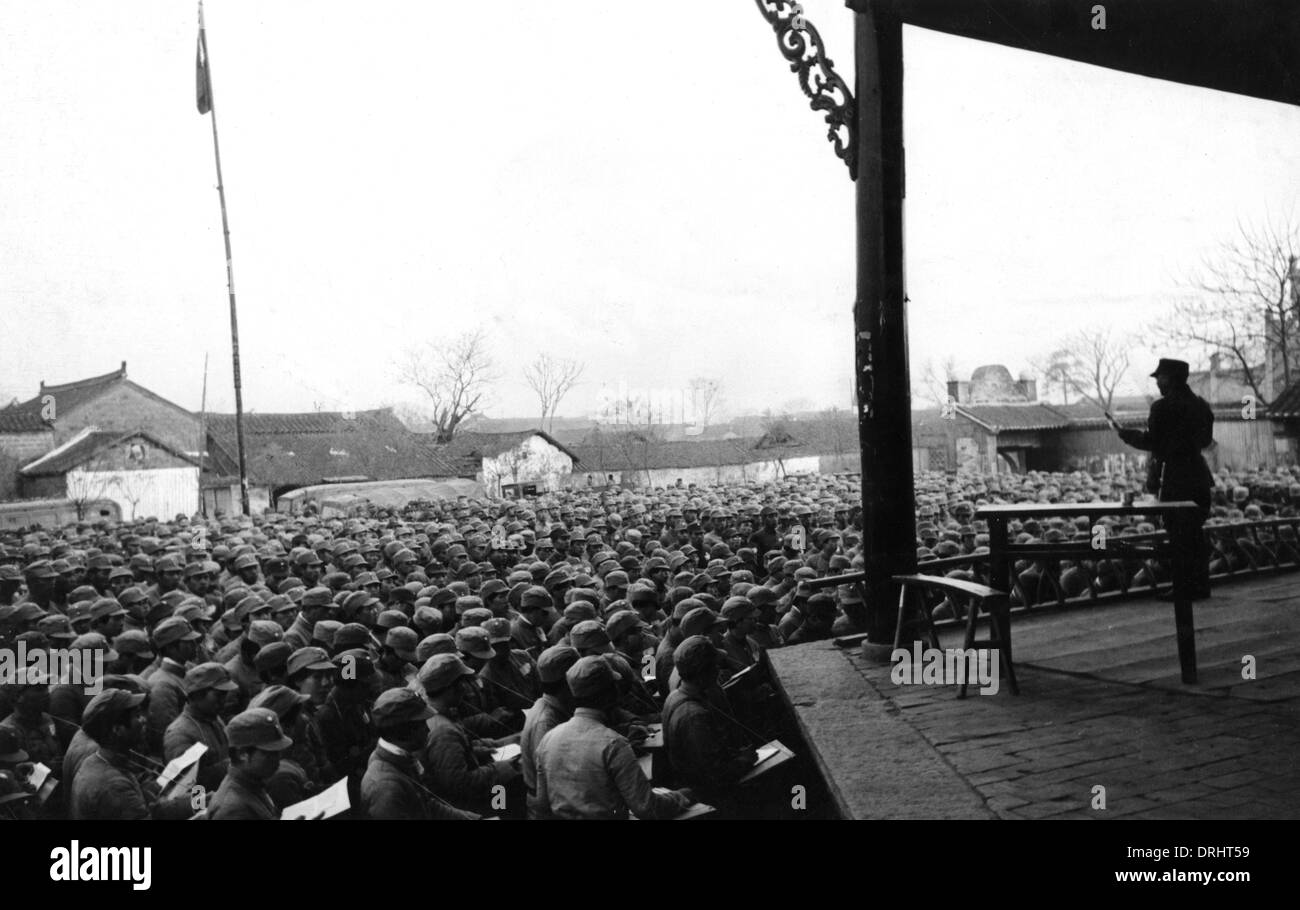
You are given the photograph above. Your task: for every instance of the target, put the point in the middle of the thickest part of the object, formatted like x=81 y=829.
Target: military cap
x=391 y=619
x=554 y=663
x=580 y=610
x=356 y=601
x=437 y=643
x=105 y=607
x=536 y=596
x=307 y=558
x=210 y=675
x=11 y=750
x=474 y=641
x=590 y=677
x=251 y=605
x=589 y=635
x=616 y=579
x=56 y=625
x=109 y=703
x=168 y=563
x=403 y=642
x=278 y=698
x=464 y=604
x=427 y=619
x=171 y=630
x=324 y=631
x=498 y=630
x=276 y=563
x=263 y=632
x=558 y=576
x=257 y=728
x=399 y=706
x=309 y=658
x=279 y=603
x=245 y=561
x=736 y=608
x=272 y=657
x=132 y=641
x=694 y=656
x=93 y=641
x=476 y=617
x=80 y=593
x=683 y=607
x=699 y=621
x=365 y=578
x=621 y=623
x=822 y=602
x=351 y=635
x=78 y=612
x=492 y=587
x=442 y=670
x=319 y=596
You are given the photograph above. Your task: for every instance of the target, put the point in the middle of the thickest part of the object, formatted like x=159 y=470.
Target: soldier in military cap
x=553 y=708
x=707 y=750
x=175 y=642
x=206 y=686
x=391 y=787
x=308 y=568
x=30 y=721
x=526 y=631
x=169 y=572
x=317 y=604
x=585 y=770
x=103 y=785
x=454 y=769
x=509 y=676
x=256 y=745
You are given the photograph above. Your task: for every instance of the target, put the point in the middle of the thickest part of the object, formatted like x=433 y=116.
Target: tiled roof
x=1000 y=417
x=639 y=452
x=86 y=445
x=1288 y=403
x=305 y=449
x=16 y=421
x=473 y=447
x=69 y=395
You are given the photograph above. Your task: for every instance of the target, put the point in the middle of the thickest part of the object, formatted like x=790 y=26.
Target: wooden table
x=1177 y=517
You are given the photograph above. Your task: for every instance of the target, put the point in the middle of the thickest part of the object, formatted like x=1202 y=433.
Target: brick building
x=107 y=402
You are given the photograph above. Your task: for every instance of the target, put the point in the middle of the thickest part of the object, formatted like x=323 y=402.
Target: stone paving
x=1221 y=749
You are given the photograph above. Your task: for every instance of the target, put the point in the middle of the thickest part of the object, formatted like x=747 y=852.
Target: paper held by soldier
x=508 y=752
x=655 y=739
x=42 y=782
x=771 y=755
x=178 y=765
x=326 y=804
x=694 y=810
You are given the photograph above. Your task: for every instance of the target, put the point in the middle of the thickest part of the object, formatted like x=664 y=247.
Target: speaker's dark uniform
x=1179 y=426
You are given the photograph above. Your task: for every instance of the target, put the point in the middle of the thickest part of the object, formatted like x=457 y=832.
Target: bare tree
x=778 y=436
x=455 y=377
x=552 y=378
x=1091 y=363
x=1055 y=370
x=1245 y=302
x=935 y=379
x=706 y=399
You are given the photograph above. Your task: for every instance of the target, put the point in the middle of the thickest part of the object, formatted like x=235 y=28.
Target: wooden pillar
x=880 y=314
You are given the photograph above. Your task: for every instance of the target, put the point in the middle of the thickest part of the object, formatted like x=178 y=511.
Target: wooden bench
x=995 y=604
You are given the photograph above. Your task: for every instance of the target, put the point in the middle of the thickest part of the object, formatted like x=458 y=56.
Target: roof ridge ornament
x=801 y=44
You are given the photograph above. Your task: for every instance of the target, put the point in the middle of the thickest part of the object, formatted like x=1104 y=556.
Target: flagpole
x=230 y=274
x=203 y=434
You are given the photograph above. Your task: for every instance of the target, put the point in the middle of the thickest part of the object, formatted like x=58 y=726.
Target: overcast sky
x=611 y=182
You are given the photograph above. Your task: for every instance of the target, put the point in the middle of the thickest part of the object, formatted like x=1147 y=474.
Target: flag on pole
x=203 y=85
